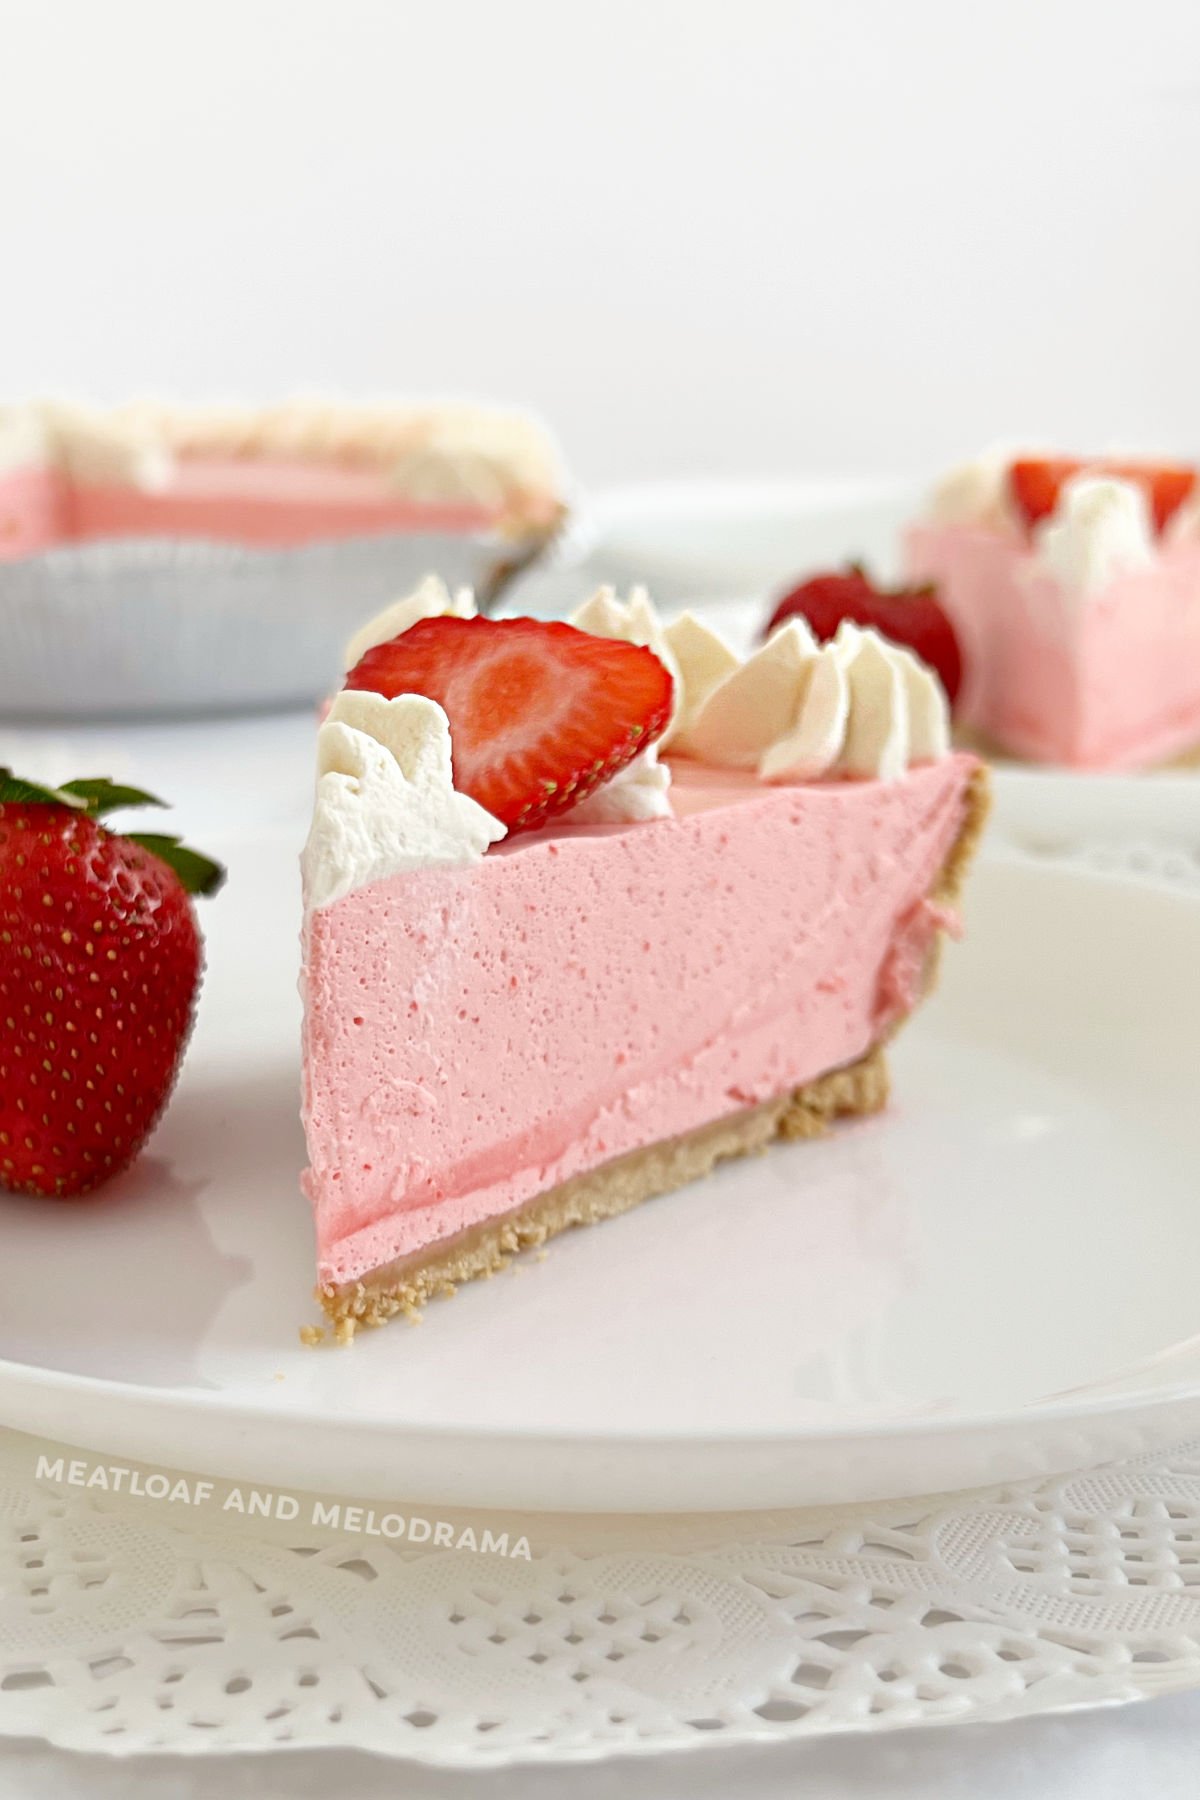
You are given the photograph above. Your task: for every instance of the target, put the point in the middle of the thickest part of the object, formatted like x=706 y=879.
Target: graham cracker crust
x=855 y=1091
x=602 y=1193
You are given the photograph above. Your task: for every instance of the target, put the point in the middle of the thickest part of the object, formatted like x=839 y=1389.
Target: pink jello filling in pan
x=34 y=512
x=235 y=500
x=1104 y=680
x=474 y=1036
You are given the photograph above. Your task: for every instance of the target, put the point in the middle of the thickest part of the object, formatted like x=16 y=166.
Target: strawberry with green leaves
x=100 y=963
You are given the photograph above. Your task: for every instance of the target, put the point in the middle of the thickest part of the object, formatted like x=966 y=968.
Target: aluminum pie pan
x=167 y=627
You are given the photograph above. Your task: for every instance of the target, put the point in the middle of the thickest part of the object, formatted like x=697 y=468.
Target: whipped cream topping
x=793 y=711
x=927 y=708
x=797 y=711
x=77 y=441
x=815 y=739
x=977 y=492
x=1101 y=528
x=756 y=703
x=639 y=792
x=385 y=798
x=703 y=660
x=25 y=437
x=876 y=736
x=499 y=461
x=430 y=599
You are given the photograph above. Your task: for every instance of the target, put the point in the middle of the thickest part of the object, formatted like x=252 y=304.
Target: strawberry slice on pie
x=1037 y=482
x=540 y=715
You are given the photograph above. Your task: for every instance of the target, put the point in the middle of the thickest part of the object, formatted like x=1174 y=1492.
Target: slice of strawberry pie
x=301 y=472
x=550 y=972
x=1074 y=589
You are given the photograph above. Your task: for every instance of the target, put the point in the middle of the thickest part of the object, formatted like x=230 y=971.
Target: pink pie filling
x=474 y=1036
x=252 y=501
x=1110 y=680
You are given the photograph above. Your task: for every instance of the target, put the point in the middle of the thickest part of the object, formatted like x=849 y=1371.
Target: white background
x=703 y=237
x=760 y=237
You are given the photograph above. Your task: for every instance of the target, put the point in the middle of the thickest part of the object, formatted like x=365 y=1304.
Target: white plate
x=996 y=1278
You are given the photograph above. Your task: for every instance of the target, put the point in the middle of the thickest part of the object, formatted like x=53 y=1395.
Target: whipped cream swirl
x=977 y=492
x=797 y=711
x=1101 y=528
x=792 y=711
x=386 y=799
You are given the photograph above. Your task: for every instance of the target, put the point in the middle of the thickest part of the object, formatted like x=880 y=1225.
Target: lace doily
x=1141 y=828
x=137 y=1626
x=130 y=1626
x=1159 y=865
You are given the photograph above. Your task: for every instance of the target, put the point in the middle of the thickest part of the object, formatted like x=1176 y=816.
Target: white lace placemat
x=173 y=1619
x=168 y=1621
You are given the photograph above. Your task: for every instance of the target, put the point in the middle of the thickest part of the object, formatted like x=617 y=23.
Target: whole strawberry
x=912 y=617
x=100 y=962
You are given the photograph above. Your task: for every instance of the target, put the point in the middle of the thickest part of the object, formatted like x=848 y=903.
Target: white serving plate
x=996 y=1279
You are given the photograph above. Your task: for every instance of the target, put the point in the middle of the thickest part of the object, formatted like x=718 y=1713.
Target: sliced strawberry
x=1167 y=485
x=540 y=714
x=908 y=616
x=1037 y=483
